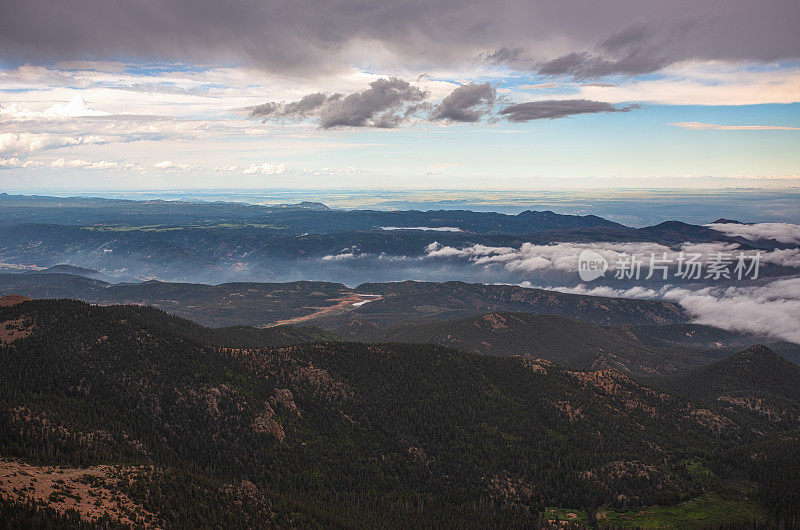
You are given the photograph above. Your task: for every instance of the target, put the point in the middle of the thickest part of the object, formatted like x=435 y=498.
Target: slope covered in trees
x=755 y=382
x=347 y=434
x=564 y=341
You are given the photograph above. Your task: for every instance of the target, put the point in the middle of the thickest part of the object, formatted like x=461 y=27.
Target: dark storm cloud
x=504 y=55
x=582 y=38
x=634 y=50
x=467 y=103
x=630 y=36
x=539 y=110
x=387 y=103
x=584 y=65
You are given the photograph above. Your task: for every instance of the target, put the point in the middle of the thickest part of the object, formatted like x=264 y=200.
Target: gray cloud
x=504 y=55
x=387 y=103
x=311 y=37
x=583 y=65
x=539 y=110
x=636 y=49
x=633 y=35
x=307 y=107
x=467 y=103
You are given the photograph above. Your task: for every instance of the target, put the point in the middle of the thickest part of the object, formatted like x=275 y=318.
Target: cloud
x=529 y=257
x=307 y=107
x=386 y=104
x=704 y=83
x=538 y=110
x=772 y=309
x=171 y=166
x=21 y=145
x=781 y=232
x=75 y=108
x=636 y=291
x=634 y=50
x=83 y=164
x=265 y=169
x=15 y=162
x=696 y=126
x=345 y=254
x=311 y=38
x=467 y=103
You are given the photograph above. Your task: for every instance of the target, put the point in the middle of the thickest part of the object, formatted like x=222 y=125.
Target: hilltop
x=756 y=382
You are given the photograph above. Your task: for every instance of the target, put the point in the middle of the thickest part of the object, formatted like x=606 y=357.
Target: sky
x=438 y=94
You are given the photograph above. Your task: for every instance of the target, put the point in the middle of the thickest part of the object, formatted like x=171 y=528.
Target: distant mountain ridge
x=305 y=205
x=258 y=304
x=216 y=242
x=70 y=269
x=302 y=217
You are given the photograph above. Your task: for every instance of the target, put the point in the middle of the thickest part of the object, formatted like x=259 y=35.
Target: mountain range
x=216 y=242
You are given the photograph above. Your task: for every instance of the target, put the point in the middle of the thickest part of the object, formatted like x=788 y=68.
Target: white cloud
x=697 y=126
x=339 y=257
x=15 y=162
x=345 y=254
x=266 y=168
x=25 y=144
x=772 y=309
x=75 y=108
x=83 y=164
x=604 y=290
x=781 y=232
x=171 y=166
x=703 y=83
x=564 y=256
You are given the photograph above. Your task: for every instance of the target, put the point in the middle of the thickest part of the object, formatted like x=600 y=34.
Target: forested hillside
x=153 y=420
x=564 y=341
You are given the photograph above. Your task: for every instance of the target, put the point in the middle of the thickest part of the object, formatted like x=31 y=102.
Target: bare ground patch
x=91 y=491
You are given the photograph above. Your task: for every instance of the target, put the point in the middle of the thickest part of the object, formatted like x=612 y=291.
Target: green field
x=710 y=510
